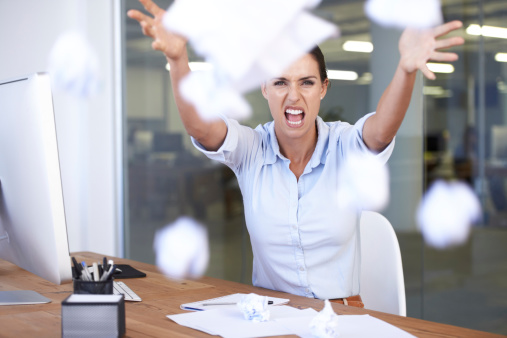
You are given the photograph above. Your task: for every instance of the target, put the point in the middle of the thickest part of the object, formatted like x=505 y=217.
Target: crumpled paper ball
x=446 y=213
x=73 y=65
x=363 y=183
x=247 y=42
x=254 y=307
x=419 y=14
x=222 y=100
x=325 y=323
x=182 y=249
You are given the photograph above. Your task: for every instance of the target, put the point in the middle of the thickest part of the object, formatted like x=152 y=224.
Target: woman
x=287 y=168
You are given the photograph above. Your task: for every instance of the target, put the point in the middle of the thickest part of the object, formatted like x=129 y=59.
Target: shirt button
x=301 y=269
x=307 y=290
x=294 y=227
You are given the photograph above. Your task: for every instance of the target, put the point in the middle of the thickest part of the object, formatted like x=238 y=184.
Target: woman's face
x=294 y=97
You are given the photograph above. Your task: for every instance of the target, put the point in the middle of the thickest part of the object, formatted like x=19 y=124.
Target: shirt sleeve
x=238 y=145
x=351 y=139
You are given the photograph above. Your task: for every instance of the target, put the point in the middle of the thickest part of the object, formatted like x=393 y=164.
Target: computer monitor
x=33 y=231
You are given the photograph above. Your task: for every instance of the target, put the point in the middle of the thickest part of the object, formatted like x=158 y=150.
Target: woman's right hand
x=172 y=45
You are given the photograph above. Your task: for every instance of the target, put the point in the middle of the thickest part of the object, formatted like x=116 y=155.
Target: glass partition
x=456 y=128
x=465 y=139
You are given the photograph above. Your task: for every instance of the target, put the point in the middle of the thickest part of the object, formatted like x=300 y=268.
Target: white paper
x=446 y=213
x=73 y=65
x=247 y=42
x=325 y=323
x=254 y=307
x=405 y=13
x=182 y=249
x=230 y=322
x=349 y=326
x=363 y=183
x=234 y=298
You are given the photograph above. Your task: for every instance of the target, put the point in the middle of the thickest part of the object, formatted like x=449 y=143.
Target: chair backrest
x=382 y=287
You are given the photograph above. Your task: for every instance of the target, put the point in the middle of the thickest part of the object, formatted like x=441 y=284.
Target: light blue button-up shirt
x=302 y=244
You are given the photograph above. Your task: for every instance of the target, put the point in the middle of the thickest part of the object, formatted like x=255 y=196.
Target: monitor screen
x=33 y=232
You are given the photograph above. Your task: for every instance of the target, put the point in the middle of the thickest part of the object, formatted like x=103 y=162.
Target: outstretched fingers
x=140 y=17
x=151 y=7
x=447 y=28
x=427 y=72
x=449 y=42
x=443 y=57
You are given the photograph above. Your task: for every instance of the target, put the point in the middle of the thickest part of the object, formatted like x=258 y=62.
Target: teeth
x=295 y=123
x=294 y=111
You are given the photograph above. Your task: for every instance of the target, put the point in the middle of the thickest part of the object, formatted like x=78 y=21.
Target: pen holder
x=91 y=287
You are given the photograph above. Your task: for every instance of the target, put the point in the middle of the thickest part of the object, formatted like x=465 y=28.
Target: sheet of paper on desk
x=230 y=323
x=350 y=326
x=234 y=298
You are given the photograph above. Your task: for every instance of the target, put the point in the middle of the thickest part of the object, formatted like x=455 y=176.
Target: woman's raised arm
x=209 y=134
x=416 y=47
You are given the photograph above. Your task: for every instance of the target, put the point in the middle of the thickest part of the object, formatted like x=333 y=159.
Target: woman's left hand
x=417 y=47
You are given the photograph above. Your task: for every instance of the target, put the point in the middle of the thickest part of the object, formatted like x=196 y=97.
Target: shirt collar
x=319 y=154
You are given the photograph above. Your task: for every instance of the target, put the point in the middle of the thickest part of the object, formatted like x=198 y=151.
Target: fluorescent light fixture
x=358 y=46
x=437 y=91
x=365 y=79
x=440 y=67
x=489 y=31
x=195 y=66
x=501 y=57
x=345 y=75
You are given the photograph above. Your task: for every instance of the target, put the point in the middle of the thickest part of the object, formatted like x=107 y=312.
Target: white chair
x=381 y=280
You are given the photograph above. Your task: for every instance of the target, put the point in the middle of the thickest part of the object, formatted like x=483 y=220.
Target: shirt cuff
x=230 y=142
x=384 y=154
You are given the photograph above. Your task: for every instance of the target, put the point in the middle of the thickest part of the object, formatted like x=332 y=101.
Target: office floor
x=465 y=286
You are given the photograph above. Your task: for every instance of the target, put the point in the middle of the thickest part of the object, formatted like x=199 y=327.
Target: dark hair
x=319 y=57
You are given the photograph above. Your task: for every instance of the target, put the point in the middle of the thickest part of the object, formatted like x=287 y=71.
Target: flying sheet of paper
x=447 y=212
x=405 y=13
x=182 y=249
x=247 y=42
x=73 y=65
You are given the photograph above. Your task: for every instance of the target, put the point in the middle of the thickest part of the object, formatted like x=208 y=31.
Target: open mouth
x=294 y=117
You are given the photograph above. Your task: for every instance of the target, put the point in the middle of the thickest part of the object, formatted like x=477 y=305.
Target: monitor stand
x=22 y=297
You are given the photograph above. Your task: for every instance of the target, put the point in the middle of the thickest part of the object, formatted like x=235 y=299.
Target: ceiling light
x=501 y=57
x=440 y=67
x=195 y=66
x=358 y=46
x=489 y=31
x=437 y=91
x=341 y=75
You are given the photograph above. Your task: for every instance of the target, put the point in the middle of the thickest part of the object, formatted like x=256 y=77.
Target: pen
x=78 y=268
x=101 y=269
x=209 y=304
x=104 y=266
x=109 y=264
x=108 y=275
x=95 y=272
x=85 y=274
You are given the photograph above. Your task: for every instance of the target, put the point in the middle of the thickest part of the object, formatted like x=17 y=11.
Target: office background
x=128 y=167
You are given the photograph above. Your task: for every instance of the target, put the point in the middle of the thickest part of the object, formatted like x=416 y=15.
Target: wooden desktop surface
x=161 y=297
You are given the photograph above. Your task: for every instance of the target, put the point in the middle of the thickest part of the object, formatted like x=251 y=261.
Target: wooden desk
x=162 y=297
